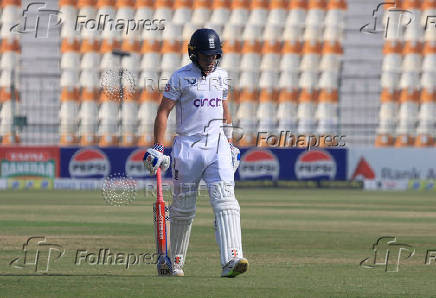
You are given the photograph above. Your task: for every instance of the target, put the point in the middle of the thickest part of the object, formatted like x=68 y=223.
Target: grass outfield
x=300 y=243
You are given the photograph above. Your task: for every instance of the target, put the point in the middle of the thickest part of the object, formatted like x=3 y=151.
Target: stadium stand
x=9 y=66
x=296 y=65
x=407 y=114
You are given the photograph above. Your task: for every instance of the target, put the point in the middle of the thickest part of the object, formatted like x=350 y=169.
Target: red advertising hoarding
x=29 y=162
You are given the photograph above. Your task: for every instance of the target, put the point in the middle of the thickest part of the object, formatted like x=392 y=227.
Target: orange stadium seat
x=327 y=109
x=8 y=106
x=129 y=118
x=316 y=13
x=220 y=11
x=331 y=57
x=171 y=47
x=307 y=101
x=88 y=116
x=151 y=56
x=91 y=55
x=267 y=108
x=148 y=104
x=288 y=101
x=132 y=62
x=10 y=14
x=335 y=13
x=412 y=56
x=232 y=55
x=278 y=11
x=408 y=113
x=297 y=13
x=109 y=62
x=68 y=9
x=247 y=107
x=240 y=12
x=182 y=11
x=163 y=10
x=69 y=107
x=108 y=116
x=291 y=56
x=201 y=12
x=392 y=57
x=251 y=49
x=271 y=50
x=259 y=12
x=311 y=56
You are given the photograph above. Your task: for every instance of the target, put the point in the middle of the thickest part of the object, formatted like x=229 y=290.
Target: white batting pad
x=227 y=220
x=180 y=232
x=228 y=235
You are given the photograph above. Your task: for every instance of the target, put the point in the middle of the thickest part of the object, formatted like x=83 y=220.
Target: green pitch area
x=300 y=243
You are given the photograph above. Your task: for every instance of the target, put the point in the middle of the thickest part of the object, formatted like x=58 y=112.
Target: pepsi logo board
x=256 y=164
x=315 y=164
x=135 y=166
x=89 y=163
x=259 y=163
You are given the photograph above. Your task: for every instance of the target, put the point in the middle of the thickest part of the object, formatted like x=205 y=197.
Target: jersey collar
x=199 y=71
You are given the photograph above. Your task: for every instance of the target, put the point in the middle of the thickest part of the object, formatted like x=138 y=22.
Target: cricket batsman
x=202 y=149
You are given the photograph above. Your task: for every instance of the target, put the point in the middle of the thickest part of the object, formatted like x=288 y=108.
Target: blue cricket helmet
x=204 y=41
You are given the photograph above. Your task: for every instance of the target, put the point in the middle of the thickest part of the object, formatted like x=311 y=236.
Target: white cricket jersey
x=199 y=108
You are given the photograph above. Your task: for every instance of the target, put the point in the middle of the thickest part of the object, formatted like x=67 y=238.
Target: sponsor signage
x=257 y=164
x=315 y=164
x=30 y=183
x=89 y=162
x=77 y=184
x=293 y=164
x=135 y=166
x=97 y=163
x=422 y=185
x=392 y=164
x=29 y=162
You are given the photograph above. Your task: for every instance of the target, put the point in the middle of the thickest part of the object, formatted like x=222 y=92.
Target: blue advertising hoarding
x=292 y=164
x=256 y=163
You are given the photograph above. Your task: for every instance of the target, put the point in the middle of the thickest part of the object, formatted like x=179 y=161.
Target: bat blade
x=160 y=214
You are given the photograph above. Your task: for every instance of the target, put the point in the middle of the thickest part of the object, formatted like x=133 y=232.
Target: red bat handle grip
x=159 y=185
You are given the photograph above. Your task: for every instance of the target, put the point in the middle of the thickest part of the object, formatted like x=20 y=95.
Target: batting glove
x=236 y=157
x=154 y=158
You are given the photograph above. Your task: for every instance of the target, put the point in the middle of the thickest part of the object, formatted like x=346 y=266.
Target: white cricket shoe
x=235 y=267
x=177 y=270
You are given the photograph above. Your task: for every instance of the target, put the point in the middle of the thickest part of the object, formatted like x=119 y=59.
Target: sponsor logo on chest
x=207 y=102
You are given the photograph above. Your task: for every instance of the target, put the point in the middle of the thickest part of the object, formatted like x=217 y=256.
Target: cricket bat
x=160 y=215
